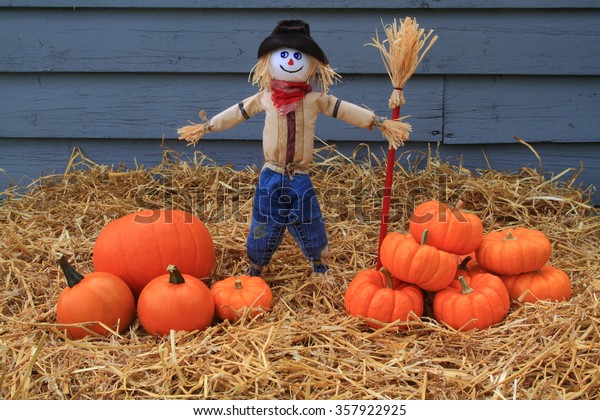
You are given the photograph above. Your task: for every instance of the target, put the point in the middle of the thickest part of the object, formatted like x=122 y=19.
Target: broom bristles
x=402 y=51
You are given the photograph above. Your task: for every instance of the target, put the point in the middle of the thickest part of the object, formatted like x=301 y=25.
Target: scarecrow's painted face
x=290 y=65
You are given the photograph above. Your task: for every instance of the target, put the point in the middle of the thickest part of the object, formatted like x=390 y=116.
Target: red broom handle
x=387 y=192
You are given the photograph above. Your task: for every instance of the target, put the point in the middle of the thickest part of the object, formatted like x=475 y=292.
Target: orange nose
x=291 y=62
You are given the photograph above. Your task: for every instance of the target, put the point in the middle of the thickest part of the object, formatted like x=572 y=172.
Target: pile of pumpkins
x=154 y=263
x=473 y=276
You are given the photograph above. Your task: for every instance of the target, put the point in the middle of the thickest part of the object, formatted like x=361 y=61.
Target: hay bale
x=306 y=347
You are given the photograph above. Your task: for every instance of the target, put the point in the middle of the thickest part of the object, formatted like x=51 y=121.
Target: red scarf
x=286 y=95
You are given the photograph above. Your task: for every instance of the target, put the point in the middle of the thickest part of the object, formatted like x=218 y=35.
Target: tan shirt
x=275 y=133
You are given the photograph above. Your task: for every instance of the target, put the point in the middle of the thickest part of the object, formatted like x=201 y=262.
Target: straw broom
x=401 y=52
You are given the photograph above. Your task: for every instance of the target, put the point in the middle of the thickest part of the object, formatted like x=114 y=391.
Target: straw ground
x=306 y=347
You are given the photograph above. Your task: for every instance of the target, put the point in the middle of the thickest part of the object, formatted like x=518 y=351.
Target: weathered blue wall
x=115 y=77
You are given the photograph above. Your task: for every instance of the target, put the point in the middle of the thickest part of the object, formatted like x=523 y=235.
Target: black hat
x=293 y=34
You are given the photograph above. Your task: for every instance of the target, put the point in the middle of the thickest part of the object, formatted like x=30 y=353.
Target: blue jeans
x=282 y=202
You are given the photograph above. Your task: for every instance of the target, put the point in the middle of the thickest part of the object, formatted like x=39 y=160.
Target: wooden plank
x=537 y=42
x=24 y=160
x=149 y=106
x=544 y=109
x=316 y=4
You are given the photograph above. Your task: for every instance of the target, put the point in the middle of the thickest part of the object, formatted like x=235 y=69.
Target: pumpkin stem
x=72 y=276
x=424 y=237
x=509 y=236
x=388 y=277
x=175 y=275
x=466 y=289
x=464 y=262
x=238 y=284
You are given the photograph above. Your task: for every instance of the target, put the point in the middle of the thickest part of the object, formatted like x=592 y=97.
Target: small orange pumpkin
x=96 y=299
x=471 y=301
x=381 y=298
x=175 y=301
x=547 y=283
x=469 y=266
x=449 y=228
x=514 y=251
x=460 y=259
x=417 y=263
x=233 y=295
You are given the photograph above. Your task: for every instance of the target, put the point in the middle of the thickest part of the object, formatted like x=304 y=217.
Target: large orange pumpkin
x=449 y=228
x=380 y=298
x=234 y=295
x=175 y=301
x=138 y=246
x=93 y=300
x=547 y=283
x=473 y=300
x=514 y=251
x=417 y=263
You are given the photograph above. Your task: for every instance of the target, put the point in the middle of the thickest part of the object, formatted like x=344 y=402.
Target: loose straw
x=306 y=347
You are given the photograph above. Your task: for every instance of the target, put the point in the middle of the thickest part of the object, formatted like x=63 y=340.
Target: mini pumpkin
x=175 y=301
x=471 y=301
x=95 y=300
x=417 y=263
x=449 y=228
x=137 y=247
x=469 y=266
x=514 y=251
x=380 y=298
x=234 y=295
x=546 y=283
x=460 y=259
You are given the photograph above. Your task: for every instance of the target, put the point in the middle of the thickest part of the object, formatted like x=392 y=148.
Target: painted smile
x=290 y=71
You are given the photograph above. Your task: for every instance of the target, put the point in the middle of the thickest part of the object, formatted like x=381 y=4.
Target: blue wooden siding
x=115 y=77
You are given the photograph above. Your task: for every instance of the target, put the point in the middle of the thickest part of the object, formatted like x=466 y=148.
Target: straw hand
x=194 y=132
x=396 y=132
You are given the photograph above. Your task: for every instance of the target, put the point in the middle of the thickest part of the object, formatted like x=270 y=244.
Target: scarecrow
x=289 y=63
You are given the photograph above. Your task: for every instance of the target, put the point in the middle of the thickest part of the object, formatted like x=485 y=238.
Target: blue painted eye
x=297 y=55
x=284 y=54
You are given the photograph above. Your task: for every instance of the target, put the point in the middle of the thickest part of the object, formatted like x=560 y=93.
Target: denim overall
x=284 y=200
